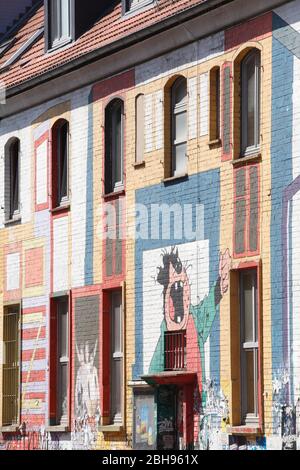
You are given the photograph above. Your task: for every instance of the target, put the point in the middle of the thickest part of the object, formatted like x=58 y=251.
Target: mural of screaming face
x=180 y=314
x=174 y=279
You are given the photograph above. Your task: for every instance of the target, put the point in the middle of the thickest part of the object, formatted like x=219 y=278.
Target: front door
x=167 y=433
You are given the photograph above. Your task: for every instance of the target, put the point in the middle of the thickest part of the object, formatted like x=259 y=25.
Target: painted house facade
x=149 y=269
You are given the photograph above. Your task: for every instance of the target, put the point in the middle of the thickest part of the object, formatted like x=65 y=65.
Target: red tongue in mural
x=171 y=308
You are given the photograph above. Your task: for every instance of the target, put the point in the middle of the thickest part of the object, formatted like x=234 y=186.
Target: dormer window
x=133 y=5
x=59 y=22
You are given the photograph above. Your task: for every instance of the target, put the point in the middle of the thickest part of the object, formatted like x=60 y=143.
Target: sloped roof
x=35 y=62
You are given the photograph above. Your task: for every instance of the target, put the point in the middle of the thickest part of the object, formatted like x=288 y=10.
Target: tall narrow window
x=62 y=360
x=59 y=22
x=114 y=117
x=12 y=179
x=11 y=367
x=139 y=128
x=215 y=104
x=179 y=127
x=59 y=361
x=250 y=96
x=249 y=347
x=60 y=163
x=116 y=357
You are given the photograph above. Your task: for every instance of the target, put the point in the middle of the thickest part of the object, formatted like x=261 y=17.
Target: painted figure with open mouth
x=180 y=314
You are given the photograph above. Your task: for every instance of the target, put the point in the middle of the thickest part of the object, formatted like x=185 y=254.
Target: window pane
x=251 y=381
x=140 y=117
x=65 y=18
x=116 y=143
x=14 y=178
x=117 y=382
x=117 y=346
x=217 y=104
x=54 y=25
x=180 y=127
x=117 y=360
x=63 y=391
x=251 y=103
x=180 y=160
x=249 y=308
x=63 y=161
x=63 y=329
x=180 y=92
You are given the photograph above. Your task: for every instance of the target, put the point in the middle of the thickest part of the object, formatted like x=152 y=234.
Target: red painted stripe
x=34 y=376
x=35 y=396
x=32 y=333
x=32 y=419
x=38 y=354
x=254 y=29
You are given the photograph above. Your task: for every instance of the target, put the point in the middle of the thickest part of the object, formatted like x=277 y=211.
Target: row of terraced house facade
x=149 y=235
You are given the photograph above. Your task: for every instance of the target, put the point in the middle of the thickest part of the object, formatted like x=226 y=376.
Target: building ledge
x=139 y=164
x=175 y=178
x=244 y=430
x=13 y=221
x=66 y=207
x=10 y=429
x=215 y=143
x=171 y=378
x=114 y=195
x=254 y=158
x=57 y=429
x=111 y=428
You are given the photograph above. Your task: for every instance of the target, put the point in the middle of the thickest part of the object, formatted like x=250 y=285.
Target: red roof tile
x=108 y=29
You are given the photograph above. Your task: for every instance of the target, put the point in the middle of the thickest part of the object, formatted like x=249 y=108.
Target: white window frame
x=117 y=356
x=139 y=128
x=62 y=199
x=130 y=7
x=56 y=19
x=110 y=152
x=11 y=214
x=251 y=346
x=176 y=110
x=245 y=149
x=62 y=361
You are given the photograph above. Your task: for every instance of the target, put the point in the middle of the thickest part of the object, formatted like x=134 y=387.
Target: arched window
x=250 y=96
x=60 y=163
x=139 y=128
x=179 y=127
x=114 y=117
x=12 y=179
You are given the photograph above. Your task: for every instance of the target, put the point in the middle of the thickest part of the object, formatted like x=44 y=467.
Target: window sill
x=141 y=164
x=175 y=178
x=244 y=430
x=10 y=429
x=111 y=428
x=215 y=143
x=64 y=207
x=59 y=45
x=256 y=157
x=14 y=221
x=58 y=429
x=113 y=195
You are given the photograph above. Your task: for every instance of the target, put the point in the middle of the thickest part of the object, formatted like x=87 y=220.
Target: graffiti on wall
x=87 y=382
x=87 y=393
